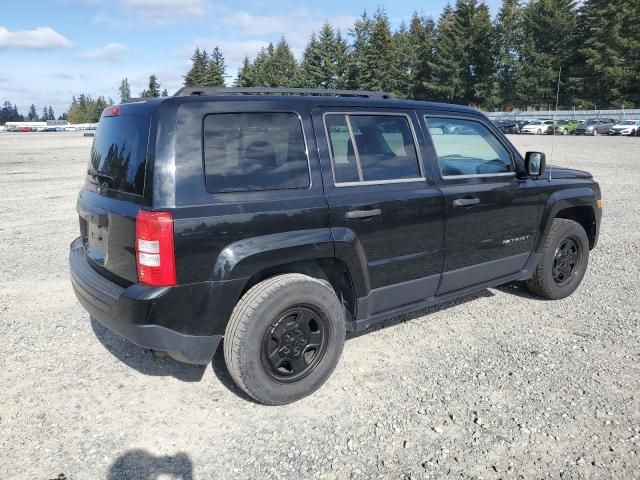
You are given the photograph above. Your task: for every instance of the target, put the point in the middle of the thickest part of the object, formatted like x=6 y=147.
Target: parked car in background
x=522 y=124
x=564 y=127
x=24 y=129
x=507 y=126
x=538 y=127
x=626 y=127
x=595 y=126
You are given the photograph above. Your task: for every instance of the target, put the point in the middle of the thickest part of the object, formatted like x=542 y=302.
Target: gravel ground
x=495 y=385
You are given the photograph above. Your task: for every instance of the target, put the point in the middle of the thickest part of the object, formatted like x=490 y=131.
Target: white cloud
x=165 y=11
x=296 y=26
x=41 y=38
x=110 y=52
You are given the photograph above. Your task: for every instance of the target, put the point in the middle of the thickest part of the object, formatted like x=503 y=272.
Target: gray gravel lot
x=496 y=385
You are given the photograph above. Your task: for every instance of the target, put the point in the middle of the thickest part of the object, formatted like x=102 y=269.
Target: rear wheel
x=284 y=338
x=563 y=263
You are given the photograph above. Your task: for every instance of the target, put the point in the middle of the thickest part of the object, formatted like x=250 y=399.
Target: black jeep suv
x=280 y=219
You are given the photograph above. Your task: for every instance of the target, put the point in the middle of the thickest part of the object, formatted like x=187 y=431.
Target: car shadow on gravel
x=519 y=289
x=142 y=465
x=220 y=370
x=143 y=360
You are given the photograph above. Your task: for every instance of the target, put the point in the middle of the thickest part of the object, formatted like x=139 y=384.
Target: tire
x=564 y=131
x=274 y=321
x=539 y=132
x=545 y=282
x=595 y=132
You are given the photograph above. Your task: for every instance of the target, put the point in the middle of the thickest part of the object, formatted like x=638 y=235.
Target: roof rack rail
x=223 y=91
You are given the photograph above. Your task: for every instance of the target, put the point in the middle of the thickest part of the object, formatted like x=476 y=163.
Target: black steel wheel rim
x=294 y=344
x=566 y=261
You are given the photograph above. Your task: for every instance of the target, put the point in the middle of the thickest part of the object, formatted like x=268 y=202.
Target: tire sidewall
x=566 y=229
x=310 y=292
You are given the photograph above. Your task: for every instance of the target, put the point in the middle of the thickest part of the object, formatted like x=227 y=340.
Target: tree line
x=465 y=56
x=10 y=113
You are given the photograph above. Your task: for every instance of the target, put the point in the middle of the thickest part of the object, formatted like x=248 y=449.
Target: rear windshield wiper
x=99 y=175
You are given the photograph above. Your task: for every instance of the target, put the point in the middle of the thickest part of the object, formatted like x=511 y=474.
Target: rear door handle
x=353 y=214
x=466 y=202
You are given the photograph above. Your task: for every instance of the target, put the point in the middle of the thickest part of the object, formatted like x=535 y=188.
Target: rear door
x=491 y=215
x=381 y=201
x=113 y=193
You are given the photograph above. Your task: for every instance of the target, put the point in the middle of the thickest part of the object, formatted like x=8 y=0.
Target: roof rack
x=223 y=91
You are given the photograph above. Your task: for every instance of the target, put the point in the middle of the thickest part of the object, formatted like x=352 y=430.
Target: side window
x=371 y=148
x=466 y=147
x=254 y=151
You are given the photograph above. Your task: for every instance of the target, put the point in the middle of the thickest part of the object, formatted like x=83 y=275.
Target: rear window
x=119 y=153
x=254 y=151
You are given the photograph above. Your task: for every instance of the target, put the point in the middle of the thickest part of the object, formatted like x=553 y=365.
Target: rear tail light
x=111 y=111
x=155 y=256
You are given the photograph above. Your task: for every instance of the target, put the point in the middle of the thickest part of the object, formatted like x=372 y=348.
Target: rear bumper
x=128 y=312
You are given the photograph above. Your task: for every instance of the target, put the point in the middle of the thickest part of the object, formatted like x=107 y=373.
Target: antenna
x=553 y=141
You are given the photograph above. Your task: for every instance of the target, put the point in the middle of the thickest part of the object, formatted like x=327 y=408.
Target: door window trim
x=426 y=117
x=347 y=114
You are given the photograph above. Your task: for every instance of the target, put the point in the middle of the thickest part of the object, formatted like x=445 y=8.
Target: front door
x=491 y=215
x=382 y=206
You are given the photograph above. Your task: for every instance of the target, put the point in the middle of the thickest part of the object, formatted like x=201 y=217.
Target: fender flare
x=560 y=200
x=244 y=258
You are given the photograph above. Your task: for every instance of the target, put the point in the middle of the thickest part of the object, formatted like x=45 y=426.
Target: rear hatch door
x=113 y=193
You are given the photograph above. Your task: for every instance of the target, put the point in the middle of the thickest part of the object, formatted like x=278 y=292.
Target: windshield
x=590 y=122
x=119 y=151
x=563 y=122
x=536 y=122
x=627 y=122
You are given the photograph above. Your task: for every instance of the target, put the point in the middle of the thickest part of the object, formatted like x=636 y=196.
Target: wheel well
x=331 y=270
x=585 y=216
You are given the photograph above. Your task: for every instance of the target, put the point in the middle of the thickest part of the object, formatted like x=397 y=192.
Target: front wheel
x=564 y=131
x=539 y=132
x=563 y=263
x=284 y=338
x=595 y=132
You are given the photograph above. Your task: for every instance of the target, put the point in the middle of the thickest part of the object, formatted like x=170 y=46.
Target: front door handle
x=353 y=214
x=466 y=202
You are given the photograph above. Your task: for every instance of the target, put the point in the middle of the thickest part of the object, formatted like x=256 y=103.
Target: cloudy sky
x=52 y=49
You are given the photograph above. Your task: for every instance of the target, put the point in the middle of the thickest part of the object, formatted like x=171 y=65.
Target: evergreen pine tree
x=165 y=93
x=311 y=74
x=125 y=91
x=447 y=62
x=153 y=90
x=32 y=115
x=246 y=74
x=358 y=75
x=342 y=61
x=198 y=72
x=549 y=42
x=422 y=39
x=508 y=31
x=383 y=57
x=610 y=52
x=215 y=69
x=51 y=115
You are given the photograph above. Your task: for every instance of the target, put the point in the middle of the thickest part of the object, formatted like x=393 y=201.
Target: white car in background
x=626 y=127
x=537 y=127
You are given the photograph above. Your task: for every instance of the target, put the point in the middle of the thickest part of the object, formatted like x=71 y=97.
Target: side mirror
x=535 y=163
